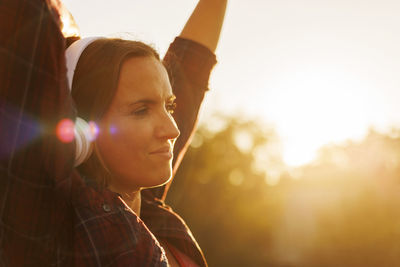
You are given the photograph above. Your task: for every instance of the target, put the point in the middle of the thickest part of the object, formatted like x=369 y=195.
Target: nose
x=167 y=128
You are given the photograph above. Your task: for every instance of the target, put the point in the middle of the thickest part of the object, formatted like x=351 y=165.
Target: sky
x=319 y=71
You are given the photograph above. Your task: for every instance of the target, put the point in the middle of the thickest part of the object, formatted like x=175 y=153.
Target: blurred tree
x=341 y=210
x=223 y=197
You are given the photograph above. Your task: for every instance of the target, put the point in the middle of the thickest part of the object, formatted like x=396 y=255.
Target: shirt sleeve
x=35 y=165
x=189 y=65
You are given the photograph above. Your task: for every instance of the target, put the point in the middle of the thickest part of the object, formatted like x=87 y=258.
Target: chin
x=161 y=179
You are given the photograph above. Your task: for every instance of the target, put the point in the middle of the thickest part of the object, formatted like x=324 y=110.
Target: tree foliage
x=340 y=210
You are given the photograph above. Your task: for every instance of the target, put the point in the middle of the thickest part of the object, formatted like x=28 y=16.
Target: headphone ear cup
x=84 y=137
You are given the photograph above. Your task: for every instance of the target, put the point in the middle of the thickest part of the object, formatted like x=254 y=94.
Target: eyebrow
x=150 y=101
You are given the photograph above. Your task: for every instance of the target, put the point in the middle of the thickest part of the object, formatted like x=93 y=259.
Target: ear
x=83 y=131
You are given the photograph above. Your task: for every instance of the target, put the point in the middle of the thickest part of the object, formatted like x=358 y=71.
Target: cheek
x=125 y=144
x=125 y=139
x=125 y=152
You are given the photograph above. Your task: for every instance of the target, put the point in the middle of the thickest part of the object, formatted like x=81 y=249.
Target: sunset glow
x=319 y=72
x=295 y=161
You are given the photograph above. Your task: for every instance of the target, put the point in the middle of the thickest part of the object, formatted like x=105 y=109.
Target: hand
x=69 y=27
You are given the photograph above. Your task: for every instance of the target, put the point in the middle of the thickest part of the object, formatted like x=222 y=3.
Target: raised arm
x=189 y=61
x=191 y=65
x=205 y=23
x=34 y=165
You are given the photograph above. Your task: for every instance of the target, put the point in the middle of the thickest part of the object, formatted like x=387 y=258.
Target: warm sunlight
x=316 y=107
x=69 y=27
x=319 y=72
x=283 y=149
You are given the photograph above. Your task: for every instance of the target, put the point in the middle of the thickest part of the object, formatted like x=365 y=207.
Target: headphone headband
x=73 y=53
x=82 y=131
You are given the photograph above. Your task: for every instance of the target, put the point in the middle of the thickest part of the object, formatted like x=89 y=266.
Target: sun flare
x=317 y=107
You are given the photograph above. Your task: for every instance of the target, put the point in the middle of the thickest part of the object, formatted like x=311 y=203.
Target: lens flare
x=16 y=134
x=93 y=130
x=65 y=130
x=113 y=129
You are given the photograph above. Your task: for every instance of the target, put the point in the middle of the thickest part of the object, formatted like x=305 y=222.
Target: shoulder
x=107 y=232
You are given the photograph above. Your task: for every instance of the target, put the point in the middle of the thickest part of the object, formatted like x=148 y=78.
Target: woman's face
x=137 y=133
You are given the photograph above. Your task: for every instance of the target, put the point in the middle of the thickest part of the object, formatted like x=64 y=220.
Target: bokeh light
x=65 y=130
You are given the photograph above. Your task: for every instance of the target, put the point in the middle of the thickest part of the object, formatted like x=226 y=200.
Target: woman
x=98 y=214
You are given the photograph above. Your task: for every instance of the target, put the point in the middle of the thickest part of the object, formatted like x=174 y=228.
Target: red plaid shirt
x=49 y=214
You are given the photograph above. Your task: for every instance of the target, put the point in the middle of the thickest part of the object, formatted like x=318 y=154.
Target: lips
x=165 y=152
x=163 y=149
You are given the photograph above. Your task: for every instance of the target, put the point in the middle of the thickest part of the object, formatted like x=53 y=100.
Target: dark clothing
x=49 y=214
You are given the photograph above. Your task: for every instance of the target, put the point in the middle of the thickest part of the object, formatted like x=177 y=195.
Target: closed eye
x=140 y=111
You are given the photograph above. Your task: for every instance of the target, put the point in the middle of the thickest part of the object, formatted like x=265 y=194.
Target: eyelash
x=140 y=112
x=170 y=107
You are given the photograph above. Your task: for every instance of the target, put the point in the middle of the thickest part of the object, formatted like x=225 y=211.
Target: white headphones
x=84 y=133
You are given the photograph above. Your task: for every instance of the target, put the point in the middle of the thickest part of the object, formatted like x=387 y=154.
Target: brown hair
x=95 y=84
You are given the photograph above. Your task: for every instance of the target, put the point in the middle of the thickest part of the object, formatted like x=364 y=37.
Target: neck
x=132 y=199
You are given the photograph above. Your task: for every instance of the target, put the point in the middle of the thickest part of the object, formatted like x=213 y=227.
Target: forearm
x=34 y=92
x=205 y=24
